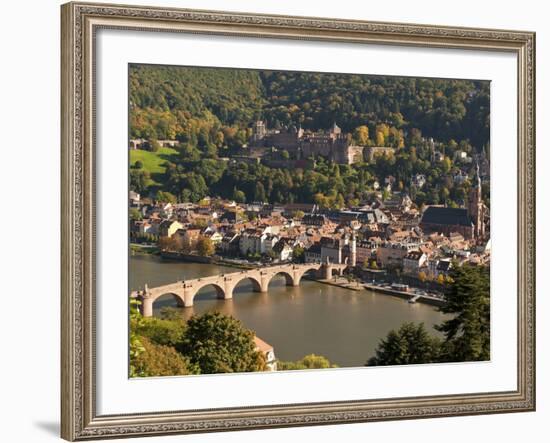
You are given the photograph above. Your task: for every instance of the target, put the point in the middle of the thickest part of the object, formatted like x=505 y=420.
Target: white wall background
x=29 y=220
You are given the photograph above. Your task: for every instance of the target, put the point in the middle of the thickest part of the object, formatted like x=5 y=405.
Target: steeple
x=477 y=178
x=475 y=205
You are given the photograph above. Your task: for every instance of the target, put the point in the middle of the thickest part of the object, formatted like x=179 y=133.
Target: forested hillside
x=211 y=111
x=172 y=102
x=442 y=109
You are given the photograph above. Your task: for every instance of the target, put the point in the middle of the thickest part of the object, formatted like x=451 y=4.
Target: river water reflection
x=345 y=326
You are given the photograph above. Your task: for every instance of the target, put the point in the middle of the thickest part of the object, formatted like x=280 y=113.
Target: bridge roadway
x=224 y=284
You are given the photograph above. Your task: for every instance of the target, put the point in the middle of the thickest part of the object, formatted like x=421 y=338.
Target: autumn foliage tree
x=160 y=360
x=205 y=247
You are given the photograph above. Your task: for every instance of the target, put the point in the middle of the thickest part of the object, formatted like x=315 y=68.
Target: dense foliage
x=211 y=112
x=159 y=360
x=217 y=343
x=467 y=333
x=170 y=102
x=410 y=344
x=442 y=109
x=310 y=361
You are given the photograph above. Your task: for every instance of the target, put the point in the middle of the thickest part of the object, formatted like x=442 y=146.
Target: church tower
x=475 y=206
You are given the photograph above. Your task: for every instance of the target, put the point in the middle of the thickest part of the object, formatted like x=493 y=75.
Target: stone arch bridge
x=224 y=284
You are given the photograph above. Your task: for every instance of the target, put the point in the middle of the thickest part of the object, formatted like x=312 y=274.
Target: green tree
x=139 y=179
x=154 y=145
x=159 y=360
x=467 y=333
x=239 y=196
x=410 y=344
x=135 y=214
x=205 y=247
x=162 y=331
x=259 y=192
x=298 y=254
x=136 y=345
x=217 y=343
x=310 y=361
x=166 y=197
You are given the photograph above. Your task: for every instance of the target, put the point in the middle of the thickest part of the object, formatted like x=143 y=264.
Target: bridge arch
x=220 y=292
x=148 y=302
x=289 y=279
x=256 y=284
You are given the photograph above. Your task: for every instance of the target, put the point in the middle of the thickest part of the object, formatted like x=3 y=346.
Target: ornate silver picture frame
x=80 y=22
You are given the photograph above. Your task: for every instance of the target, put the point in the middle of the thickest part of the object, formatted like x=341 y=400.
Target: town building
x=413 y=262
x=169 y=227
x=391 y=254
x=268 y=353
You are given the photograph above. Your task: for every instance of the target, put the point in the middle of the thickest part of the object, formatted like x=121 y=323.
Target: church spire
x=477 y=177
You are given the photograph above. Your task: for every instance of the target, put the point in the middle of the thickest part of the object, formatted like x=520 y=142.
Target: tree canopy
x=219 y=344
x=211 y=112
x=410 y=344
x=310 y=361
x=467 y=333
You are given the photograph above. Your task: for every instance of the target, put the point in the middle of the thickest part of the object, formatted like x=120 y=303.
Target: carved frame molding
x=79 y=24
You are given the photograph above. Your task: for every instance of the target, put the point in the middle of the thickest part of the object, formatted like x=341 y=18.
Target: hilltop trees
x=211 y=113
x=210 y=108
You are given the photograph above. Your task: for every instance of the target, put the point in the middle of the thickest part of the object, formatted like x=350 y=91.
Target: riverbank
x=146 y=249
x=409 y=296
x=339 y=283
x=214 y=260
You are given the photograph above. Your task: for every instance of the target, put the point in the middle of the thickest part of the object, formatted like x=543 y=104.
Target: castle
x=333 y=144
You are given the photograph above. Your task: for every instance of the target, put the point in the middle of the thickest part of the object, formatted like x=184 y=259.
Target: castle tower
x=335 y=130
x=475 y=206
x=259 y=130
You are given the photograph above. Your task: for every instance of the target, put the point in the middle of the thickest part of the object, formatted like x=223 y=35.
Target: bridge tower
x=146 y=303
x=328 y=269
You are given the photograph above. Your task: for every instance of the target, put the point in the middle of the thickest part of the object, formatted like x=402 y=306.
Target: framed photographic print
x=283 y=221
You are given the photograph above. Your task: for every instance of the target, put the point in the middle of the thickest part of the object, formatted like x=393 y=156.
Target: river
x=343 y=325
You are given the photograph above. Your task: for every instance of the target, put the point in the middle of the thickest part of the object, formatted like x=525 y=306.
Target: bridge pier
x=147 y=307
x=328 y=271
x=188 y=299
x=228 y=294
x=264 y=282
